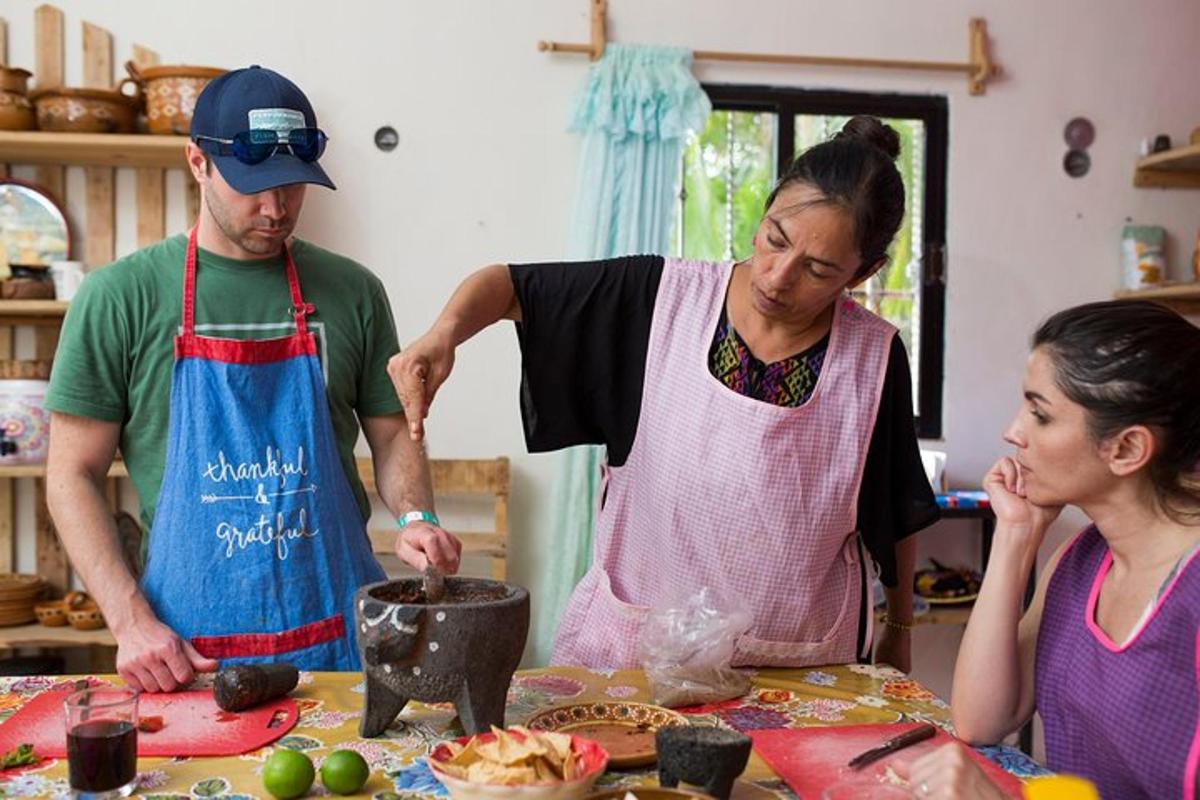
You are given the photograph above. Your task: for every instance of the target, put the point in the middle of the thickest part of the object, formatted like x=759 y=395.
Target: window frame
x=933 y=111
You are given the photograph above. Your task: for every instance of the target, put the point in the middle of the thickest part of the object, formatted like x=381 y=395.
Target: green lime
x=344 y=772
x=288 y=774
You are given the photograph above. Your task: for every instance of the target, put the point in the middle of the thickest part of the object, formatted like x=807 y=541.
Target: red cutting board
x=811 y=759
x=191 y=726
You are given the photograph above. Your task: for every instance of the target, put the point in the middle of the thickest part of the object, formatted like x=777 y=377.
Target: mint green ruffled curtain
x=634 y=112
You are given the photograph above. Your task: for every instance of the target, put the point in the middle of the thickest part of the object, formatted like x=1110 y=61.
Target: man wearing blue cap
x=233 y=367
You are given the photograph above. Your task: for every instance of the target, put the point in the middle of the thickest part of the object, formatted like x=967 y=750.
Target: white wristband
x=417 y=516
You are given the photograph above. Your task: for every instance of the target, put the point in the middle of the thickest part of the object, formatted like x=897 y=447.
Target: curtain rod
x=979 y=69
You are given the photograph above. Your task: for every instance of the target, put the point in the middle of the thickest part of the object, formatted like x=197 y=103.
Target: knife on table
x=918 y=734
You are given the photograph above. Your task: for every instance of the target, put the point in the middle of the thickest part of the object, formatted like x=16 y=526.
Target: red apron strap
x=300 y=309
x=189 y=285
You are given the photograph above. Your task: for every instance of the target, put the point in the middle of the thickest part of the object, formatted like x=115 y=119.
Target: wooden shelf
x=35 y=635
x=32 y=312
x=1183 y=297
x=92 y=149
x=1176 y=168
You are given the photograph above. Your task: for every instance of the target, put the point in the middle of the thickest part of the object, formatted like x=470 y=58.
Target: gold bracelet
x=896 y=624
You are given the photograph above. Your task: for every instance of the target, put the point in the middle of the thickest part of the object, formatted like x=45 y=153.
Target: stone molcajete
x=711 y=758
x=463 y=650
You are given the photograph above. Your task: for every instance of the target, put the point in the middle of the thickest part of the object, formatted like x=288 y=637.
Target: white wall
x=485 y=170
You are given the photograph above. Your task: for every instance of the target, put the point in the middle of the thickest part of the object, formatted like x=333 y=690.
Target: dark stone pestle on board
x=240 y=687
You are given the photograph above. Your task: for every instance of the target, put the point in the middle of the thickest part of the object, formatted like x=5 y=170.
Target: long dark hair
x=1132 y=362
x=856 y=169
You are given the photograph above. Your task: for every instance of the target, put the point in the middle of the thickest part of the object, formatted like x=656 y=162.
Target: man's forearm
x=403 y=478
x=89 y=533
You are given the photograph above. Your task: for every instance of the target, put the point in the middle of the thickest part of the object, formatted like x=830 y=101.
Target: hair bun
x=872 y=131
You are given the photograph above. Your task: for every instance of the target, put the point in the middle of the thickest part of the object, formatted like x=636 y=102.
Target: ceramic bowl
x=87 y=618
x=77 y=110
x=592 y=757
x=51 y=614
x=171 y=92
x=16 y=112
x=648 y=793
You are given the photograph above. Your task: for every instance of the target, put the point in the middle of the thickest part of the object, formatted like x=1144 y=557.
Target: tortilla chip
x=513 y=757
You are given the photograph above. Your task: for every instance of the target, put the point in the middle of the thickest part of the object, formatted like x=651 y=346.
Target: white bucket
x=25 y=421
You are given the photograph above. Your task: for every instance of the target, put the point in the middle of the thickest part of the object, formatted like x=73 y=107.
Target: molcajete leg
x=720 y=784
x=382 y=706
x=667 y=777
x=480 y=705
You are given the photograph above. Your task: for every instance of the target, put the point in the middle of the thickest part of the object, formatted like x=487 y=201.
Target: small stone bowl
x=710 y=758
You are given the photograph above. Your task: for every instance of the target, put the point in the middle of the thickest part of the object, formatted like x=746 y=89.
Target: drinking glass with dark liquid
x=102 y=742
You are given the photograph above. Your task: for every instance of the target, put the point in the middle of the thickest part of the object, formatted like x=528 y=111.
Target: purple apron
x=1127 y=717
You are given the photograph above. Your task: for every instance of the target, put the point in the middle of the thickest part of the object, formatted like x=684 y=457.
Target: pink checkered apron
x=756 y=501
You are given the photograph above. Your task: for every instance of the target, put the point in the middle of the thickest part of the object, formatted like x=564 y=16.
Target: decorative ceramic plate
x=944 y=585
x=15 y=586
x=625 y=730
x=34 y=225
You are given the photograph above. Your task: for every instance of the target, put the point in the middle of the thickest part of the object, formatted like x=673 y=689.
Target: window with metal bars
x=754 y=132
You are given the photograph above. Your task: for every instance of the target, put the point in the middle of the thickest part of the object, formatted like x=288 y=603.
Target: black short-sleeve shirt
x=584 y=335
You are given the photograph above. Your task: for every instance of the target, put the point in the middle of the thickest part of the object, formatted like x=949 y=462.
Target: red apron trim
x=244 y=351
x=300 y=309
x=241 y=645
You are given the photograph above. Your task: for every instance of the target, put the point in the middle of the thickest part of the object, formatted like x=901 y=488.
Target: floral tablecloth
x=330 y=704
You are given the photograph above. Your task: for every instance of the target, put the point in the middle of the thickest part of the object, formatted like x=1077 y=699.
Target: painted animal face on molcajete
x=463 y=650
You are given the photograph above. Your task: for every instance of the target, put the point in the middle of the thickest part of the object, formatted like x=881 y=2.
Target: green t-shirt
x=117 y=349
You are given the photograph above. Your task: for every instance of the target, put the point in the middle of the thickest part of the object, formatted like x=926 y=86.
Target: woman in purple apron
x=258 y=545
x=741 y=406
x=1109 y=651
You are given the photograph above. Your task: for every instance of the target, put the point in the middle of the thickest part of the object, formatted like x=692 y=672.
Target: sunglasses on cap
x=256 y=146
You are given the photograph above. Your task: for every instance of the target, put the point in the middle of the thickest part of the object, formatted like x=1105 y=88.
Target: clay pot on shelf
x=87 y=618
x=53 y=613
x=74 y=110
x=16 y=109
x=28 y=282
x=171 y=92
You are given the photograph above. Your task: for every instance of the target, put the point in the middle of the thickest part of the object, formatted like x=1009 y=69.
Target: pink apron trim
x=1094 y=600
x=1192 y=765
x=242 y=645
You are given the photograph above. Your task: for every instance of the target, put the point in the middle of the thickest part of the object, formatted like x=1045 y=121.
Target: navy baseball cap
x=250 y=99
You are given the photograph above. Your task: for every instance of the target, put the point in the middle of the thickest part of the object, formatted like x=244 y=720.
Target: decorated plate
x=625 y=730
x=952 y=601
x=942 y=585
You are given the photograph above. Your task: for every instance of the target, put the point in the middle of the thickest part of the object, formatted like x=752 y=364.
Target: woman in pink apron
x=756 y=419
x=1109 y=651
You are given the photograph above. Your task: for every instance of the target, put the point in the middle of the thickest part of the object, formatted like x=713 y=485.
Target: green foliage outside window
x=728 y=172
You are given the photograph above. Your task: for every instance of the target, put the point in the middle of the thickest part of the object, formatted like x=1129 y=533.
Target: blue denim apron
x=257 y=545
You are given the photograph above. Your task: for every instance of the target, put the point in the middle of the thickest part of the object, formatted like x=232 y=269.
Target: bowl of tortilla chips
x=518 y=764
